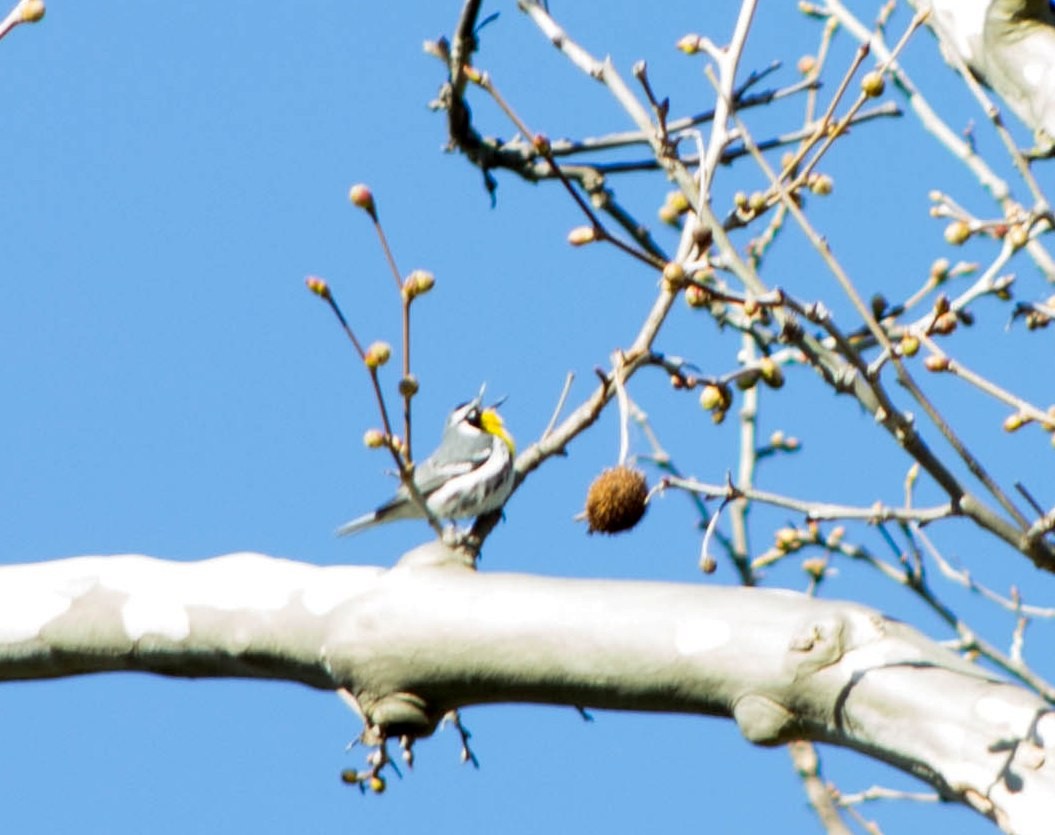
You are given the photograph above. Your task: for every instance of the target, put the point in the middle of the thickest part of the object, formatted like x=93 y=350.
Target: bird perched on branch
x=470 y=472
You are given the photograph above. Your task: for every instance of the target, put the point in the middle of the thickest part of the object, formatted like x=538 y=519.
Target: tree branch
x=413 y=642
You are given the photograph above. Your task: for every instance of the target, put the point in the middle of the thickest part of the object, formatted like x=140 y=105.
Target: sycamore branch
x=411 y=643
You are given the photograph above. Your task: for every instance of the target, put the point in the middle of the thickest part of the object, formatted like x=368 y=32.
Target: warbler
x=469 y=473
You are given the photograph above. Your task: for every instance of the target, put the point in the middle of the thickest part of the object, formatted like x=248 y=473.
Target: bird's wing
x=429 y=475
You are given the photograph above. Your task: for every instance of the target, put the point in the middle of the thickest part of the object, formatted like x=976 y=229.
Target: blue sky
x=171 y=178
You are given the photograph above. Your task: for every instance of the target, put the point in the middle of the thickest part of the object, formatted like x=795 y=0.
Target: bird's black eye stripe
x=473 y=417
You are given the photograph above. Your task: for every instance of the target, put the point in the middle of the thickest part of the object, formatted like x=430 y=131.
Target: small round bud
x=807 y=64
x=751 y=306
x=377 y=784
x=872 y=85
x=408 y=386
x=373 y=438
x=945 y=324
x=957 y=232
x=718 y=416
x=821 y=184
x=815 y=567
x=689 y=44
x=1018 y=236
x=673 y=275
x=941 y=305
x=756 y=202
x=936 y=362
x=32 y=11
x=440 y=48
x=417 y=284
x=772 y=374
x=909 y=345
x=713 y=397
x=939 y=270
x=349 y=776
x=740 y=200
x=1015 y=422
x=361 y=196
x=787 y=540
x=377 y=354
x=748 y=378
x=318 y=286
x=616 y=500
x=677 y=201
x=582 y=235
x=541 y=144
x=708 y=565
x=697 y=296
x=668 y=214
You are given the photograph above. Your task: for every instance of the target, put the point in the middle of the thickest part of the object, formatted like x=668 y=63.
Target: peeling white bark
x=416 y=640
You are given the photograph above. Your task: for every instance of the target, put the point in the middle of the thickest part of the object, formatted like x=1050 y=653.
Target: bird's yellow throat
x=491 y=422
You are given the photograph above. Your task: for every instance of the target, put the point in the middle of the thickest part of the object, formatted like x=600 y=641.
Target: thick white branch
x=413 y=641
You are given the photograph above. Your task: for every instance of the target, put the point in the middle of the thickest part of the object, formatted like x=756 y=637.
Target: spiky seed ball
x=616 y=500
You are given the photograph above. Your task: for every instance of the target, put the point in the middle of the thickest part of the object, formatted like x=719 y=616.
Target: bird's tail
x=360 y=524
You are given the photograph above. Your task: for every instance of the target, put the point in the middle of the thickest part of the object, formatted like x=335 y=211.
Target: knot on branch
x=763 y=721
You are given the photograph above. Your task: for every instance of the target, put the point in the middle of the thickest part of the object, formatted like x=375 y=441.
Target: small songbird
x=470 y=473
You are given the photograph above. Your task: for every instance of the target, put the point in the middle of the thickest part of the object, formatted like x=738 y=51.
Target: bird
x=1008 y=45
x=1019 y=41
x=468 y=474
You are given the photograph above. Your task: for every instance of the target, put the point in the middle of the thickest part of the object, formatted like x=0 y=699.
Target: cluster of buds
x=697 y=296
x=939 y=271
x=417 y=284
x=674 y=206
x=788 y=540
x=779 y=440
x=716 y=398
x=957 y=232
x=377 y=355
x=1038 y=317
x=377 y=439
x=908 y=346
x=945 y=318
x=820 y=184
x=673 y=276
x=1016 y=421
x=1018 y=235
x=815 y=567
x=365 y=781
x=749 y=206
